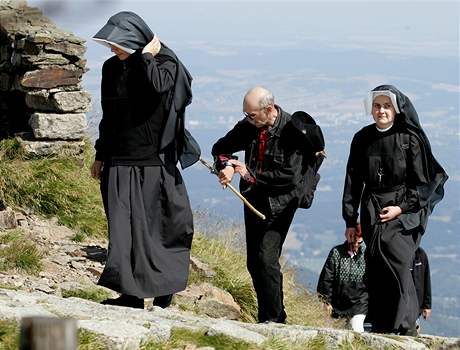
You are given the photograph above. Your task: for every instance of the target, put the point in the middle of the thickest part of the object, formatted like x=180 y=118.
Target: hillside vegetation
x=62 y=188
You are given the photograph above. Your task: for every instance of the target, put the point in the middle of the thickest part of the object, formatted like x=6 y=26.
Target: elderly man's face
x=257 y=116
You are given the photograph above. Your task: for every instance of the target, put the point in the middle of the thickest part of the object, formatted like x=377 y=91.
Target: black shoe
x=280 y=319
x=163 y=301
x=126 y=300
x=411 y=332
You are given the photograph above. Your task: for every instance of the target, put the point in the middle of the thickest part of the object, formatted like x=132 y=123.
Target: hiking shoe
x=126 y=301
x=163 y=301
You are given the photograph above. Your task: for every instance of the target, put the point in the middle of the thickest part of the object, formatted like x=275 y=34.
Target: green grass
x=20 y=253
x=225 y=255
x=182 y=337
x=231 y=274
x=60 y=187
x=357 y=343
x=8 y=286
x=90 y=341
x=91 y=293
x=9 y=335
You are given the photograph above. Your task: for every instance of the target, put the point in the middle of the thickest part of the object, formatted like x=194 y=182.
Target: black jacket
x=134 y=95
x=341 y=282
x=287 y=152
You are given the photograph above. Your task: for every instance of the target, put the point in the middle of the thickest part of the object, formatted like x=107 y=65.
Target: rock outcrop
x=126 y=328
x=41 y=66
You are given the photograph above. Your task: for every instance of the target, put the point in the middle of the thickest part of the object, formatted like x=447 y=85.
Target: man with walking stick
x=282 y=156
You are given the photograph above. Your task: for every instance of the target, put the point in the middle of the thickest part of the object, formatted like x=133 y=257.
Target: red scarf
x=263 y=137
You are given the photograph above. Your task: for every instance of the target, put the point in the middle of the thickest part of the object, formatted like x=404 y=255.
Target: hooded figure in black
x=144 y=92
x=395 y=179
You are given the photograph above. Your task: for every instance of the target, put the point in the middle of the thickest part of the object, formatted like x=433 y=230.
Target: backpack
x=303 y=122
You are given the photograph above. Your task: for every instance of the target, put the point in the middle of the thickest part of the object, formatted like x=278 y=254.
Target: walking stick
x=234 y=190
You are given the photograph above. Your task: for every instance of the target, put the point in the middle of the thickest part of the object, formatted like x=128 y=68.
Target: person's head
x=358 y=239
x=124 y=33
x=382 y=104
x=383 y=111
x=121 y=54
x=259 y=107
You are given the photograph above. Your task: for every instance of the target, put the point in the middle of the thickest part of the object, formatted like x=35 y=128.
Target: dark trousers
x=264 y=242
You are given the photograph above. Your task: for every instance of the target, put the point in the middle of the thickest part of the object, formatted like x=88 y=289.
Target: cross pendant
x=380 y=174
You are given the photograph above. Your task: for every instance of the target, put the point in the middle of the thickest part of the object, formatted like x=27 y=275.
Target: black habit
x=392 y=168
x=141 y=138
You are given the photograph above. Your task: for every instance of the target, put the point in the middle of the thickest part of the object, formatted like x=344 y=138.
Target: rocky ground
x=66 y=264
x=69 y=265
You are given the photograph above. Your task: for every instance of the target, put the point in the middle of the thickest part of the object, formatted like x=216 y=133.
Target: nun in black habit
x=144 y=92
x=394 y=178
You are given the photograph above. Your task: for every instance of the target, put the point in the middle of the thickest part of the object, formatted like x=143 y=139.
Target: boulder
x=202 y=268
x=58 y=126
x=67 y=48
x=209 y=300
x=50 y=77
x=34 y=149
x=8 y=219
x=62 y=101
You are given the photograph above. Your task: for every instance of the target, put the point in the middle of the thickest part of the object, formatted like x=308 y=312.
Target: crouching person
x=341 y=282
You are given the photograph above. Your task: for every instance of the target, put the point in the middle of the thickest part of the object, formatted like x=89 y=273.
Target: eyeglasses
x=253 y=114
x=249 y=115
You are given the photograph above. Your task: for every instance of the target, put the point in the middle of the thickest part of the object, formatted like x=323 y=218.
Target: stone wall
x=41 y=66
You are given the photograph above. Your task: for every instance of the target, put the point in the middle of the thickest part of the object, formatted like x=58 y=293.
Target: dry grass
x=19 y=252
x=225 y=253
x=60 y=187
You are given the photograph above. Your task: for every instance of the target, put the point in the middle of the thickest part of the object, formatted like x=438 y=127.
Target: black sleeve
x=160 y=70
x=354 y=184
x=326 y=279
x=235 y=140
x=415 y=175
x=101 y=144
x=426 y=303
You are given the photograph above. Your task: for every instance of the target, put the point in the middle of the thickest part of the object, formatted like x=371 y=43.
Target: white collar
x=383 y=130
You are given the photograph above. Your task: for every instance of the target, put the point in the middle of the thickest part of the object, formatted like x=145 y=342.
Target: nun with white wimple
x=394 y=181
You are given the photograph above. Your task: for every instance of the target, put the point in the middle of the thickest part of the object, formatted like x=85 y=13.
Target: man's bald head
x=259 y=107
x=258 y=97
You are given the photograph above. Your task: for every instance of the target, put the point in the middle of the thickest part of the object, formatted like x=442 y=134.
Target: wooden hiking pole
x=234 y=190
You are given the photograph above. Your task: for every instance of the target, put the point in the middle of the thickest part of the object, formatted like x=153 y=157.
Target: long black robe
x=141 y=138
x=389 y=168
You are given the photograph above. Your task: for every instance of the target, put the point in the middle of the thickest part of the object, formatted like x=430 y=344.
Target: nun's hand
x=152 y=47
x=389 y=213
x=96 y=169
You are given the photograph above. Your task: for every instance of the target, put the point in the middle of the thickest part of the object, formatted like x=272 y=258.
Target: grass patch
x=9 y=335
x=226 y=256
x=183 y=337
x=20 y=253
x=60 y=187
x=230 y=267
x=8 y=286
x=91 y=293
x=357 y=343
x=316 y=343
x=6 y=237
x=90 y=341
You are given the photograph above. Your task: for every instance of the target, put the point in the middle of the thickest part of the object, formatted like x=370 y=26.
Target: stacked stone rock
x=41 y=66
